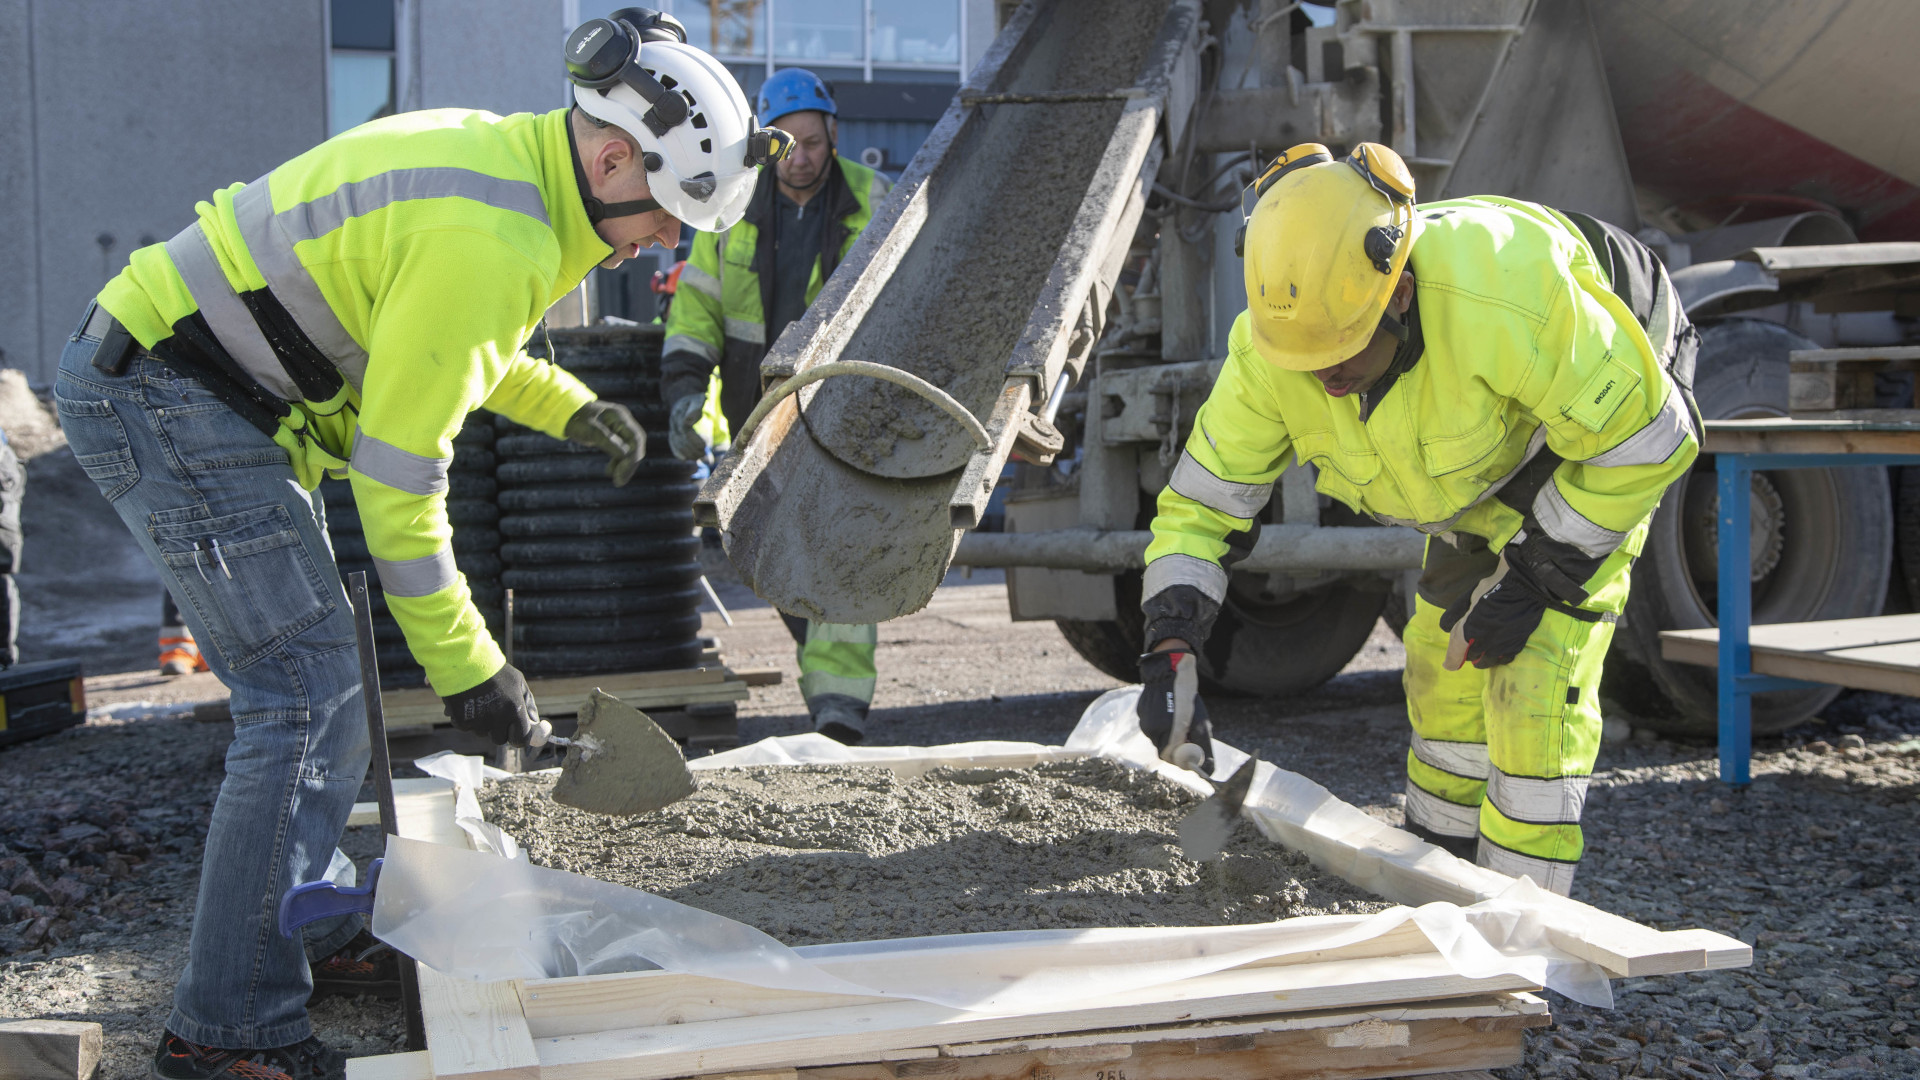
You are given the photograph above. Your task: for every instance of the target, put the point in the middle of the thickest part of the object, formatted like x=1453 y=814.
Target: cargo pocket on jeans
x=248 y=575
x=99 y=443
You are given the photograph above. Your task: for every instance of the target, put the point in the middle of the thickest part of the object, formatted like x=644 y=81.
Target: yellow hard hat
x=1324 y=248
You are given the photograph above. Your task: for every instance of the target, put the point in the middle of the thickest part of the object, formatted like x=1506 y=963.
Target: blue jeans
x=244 y=550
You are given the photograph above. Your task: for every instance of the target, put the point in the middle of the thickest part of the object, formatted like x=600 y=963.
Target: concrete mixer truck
x=1767 y=151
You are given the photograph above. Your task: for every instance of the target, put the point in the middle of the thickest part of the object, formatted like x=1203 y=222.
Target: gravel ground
x=1814 y=864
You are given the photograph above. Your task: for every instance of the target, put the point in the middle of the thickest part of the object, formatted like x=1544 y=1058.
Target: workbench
x=1880 y=653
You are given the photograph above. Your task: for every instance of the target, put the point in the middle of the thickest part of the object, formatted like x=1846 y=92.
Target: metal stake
x=382 y=765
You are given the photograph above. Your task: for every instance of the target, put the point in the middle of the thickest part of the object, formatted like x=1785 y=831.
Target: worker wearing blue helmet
x=742 y=287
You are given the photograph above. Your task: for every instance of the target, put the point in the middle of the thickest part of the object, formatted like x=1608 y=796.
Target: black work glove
x=501 y=708
x=608 y=426
x=1490 y=625
x=1171 y=712
x=687 y=443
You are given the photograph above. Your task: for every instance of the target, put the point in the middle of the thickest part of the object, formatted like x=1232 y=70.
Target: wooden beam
x=860 y=1033
x=1778 y=436
x=1375 y=1048
x=582 y=1005
x=419 y=708
x=758 y=676
x=1880 y=653
x=417 y=1065
x=475 y=1030
x=49 y=1049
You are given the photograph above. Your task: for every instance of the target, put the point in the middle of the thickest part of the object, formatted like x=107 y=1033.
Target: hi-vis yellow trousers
x=1501 y=756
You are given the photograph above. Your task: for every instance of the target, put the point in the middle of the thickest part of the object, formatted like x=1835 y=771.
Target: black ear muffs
x=602 y=53
x=1380 y=244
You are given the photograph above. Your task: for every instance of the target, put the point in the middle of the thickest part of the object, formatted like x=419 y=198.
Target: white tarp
x=489 y=914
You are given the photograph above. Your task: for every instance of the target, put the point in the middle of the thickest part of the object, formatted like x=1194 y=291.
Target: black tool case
x=39 y=699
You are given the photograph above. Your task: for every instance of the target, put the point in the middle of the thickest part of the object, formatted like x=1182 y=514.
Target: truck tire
x=1260 y=647
x=1823 y=548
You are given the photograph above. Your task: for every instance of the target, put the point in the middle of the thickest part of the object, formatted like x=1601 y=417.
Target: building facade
x=115 y=118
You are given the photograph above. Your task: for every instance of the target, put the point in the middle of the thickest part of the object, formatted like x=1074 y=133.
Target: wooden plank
x=423 y=814
x=49 y=1049
x=582 y=1005
x=417 y=1065
x=1880 y=653
x=411 y=787
x=1781 y=436
x=758 y=676
x=859 y=1033
x=1377 y=1049
x=416 y=714
x=475 y=1029
x=1870 y=353
x=1523 y=1009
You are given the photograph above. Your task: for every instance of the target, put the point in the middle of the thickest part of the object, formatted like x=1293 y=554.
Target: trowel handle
x=316 y=900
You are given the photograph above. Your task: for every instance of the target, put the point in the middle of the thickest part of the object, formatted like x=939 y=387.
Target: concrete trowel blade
x=621 y=762
x=1204 y=833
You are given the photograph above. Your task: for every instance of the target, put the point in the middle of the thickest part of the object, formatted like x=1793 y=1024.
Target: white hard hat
x=697 y=135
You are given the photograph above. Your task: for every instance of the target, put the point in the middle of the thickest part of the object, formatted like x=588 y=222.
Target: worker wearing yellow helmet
x=1512 y=380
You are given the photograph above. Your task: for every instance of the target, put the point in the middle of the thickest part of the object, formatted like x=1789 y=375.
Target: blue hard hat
x=792 y=90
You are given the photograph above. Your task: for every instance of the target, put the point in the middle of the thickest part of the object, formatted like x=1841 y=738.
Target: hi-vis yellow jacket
x=1529 y=358
x=718 y=321
x=398 y=267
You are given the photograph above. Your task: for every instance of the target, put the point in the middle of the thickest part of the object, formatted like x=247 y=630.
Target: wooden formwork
x=1387 y=1006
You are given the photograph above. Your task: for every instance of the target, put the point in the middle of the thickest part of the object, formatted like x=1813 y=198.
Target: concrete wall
x=503 y=56
x=160 y=105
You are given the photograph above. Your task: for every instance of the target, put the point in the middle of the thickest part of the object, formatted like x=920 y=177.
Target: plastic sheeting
x=484 y=916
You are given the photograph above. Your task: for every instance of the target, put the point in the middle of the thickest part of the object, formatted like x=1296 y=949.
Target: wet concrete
x=837 y=853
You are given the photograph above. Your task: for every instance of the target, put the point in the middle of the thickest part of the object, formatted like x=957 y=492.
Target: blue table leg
x=1736 y=617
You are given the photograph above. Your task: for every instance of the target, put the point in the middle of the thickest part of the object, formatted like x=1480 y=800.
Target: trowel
x=1204 y=833
x=620 y=762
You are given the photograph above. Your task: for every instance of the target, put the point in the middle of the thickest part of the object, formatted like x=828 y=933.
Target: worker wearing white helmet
x=344 y=313
x=1512 y=380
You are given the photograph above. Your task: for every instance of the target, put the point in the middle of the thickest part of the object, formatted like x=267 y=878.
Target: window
x=884 y=39
x=915 y=32
x=360 y=63
x=820 y=30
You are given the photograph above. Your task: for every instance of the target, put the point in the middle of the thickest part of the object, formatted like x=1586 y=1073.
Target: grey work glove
x=500 y=708
x=609 y=427
x=1170 y=710
x=687 y=442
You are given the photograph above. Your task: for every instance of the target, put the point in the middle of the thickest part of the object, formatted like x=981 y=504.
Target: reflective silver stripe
x=317 y=217
x=272 y=251
x=424 y=576
x=1459 y=758
x=1430 y=811
x=1561 y=521
x=1197 y=482
x=706 y=350
x=1538 y=802
x=226 y=316
x=1663 y=320
x=400 y=469
x=692 y=276
x=877 y=191
x=1653 y=443
x=1167 y=571
x=1549 y=874
x=743 y=330
x=270 y=238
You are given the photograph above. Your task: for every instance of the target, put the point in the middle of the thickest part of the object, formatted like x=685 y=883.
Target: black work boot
x=365 y=965
x=178 y=1059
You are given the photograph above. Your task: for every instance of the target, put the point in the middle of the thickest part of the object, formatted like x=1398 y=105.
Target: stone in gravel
x=832 y=853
